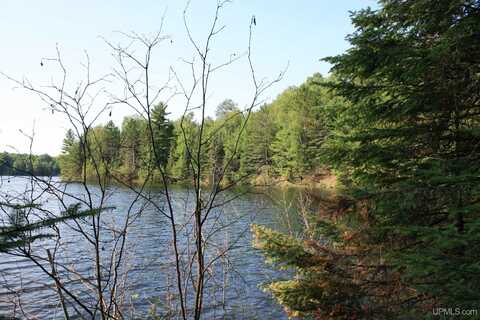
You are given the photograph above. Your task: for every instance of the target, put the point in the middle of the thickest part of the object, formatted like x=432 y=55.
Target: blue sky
x=298 y=33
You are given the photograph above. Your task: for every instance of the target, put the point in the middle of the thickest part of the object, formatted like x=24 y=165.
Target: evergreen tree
x=215 y=150
x=180 y=165
x=405 y=146
x=71 y=159
x=282 y=138
x=299 y=115
x=17 y=231
x=132 y=136
x=220 y=143
x=285 y=146
x=408 y=139
x=162 y=134
x=285 y=150
x=311 y=99
x=110 y=142
x=256 y=154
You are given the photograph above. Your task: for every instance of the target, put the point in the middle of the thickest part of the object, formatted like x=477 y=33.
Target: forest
x=396 y=125
x=16 y=164
x=404 y=146
x=281 y=142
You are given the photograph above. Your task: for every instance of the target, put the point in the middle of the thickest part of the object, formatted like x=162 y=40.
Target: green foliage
x=24 y=164
x=408 y=138
x=162 y=134
x=323 y=286
x=131 y=156
x=181 y=166
x=128 y=153
x=226 y=134
x=280 y=140
x=285 y=153
x=301 y=129
x=282 y=249
x=71 y=159
x=17 y=231
x=108 y=139
x=259 y=136
x=404 y=144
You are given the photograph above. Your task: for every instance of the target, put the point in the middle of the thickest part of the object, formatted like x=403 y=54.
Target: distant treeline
x=280 y=140
x=14 y=164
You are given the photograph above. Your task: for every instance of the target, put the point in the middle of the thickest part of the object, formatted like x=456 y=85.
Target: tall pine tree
x=408 y=140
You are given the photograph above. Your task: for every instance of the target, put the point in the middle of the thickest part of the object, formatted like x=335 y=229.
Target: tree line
x=281 y=140
x=16 y=164
x=146 y=148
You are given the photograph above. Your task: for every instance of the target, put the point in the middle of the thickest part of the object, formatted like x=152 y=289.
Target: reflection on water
x=233 y=292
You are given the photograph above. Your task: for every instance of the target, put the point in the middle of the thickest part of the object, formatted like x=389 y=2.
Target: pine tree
x=256 y=157
x=132 y=135
x=215 y=151
x=180 y=163
x=17 y=231
x=228 y=125
x=71 y=159
x=407 y=140
x=285 y=150
x=110 y=143
x=404 y=144
x=301 y=129
x=162 y=134
x=311 y=99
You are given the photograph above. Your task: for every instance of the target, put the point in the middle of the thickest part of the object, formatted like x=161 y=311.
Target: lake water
x=233 y=293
